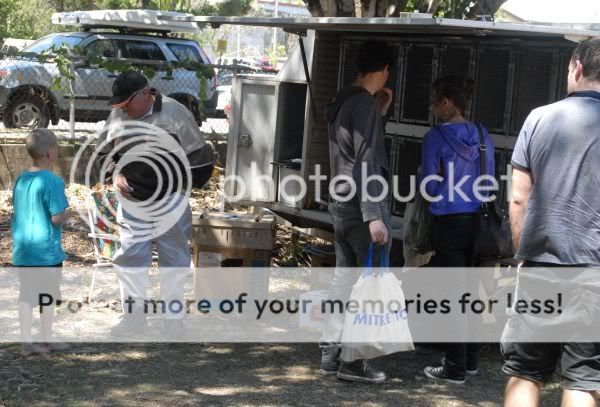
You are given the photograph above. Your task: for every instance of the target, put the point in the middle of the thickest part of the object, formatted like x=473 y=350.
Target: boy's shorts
x=34 y=281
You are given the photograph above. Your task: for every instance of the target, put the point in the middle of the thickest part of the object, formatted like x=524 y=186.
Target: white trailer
x=516 y=68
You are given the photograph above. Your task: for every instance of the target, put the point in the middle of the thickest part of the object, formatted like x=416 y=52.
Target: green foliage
x=292 y=255
x=116 y=4
x=25 y=19
x=61 y=56
x=274 y=56
x=205 y=10
x=234 y=7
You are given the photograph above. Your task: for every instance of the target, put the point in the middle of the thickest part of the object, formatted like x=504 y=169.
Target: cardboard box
x=220 y=284
x=231 y=230
x=209 y=259
x=247 y=271
x=313 y=318
x=231 y=257
x=232 y=240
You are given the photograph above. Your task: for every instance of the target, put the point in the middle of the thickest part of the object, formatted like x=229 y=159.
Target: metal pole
x=275 y=30
x=72 y=106
x=239 y=28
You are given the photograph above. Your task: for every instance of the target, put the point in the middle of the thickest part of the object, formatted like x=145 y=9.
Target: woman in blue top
x=451 y=161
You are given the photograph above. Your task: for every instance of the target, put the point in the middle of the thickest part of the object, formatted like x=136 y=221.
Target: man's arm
x=367 y=132
x=522 y=182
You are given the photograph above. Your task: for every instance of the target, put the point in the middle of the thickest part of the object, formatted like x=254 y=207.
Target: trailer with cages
x=278 y=126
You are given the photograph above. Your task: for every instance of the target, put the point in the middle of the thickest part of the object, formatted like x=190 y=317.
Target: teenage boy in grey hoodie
x=361 y=216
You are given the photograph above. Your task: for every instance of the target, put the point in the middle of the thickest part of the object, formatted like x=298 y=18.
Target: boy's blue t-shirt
x=37 y=196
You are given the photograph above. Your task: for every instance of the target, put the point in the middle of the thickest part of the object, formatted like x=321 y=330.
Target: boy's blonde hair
x=39 y=141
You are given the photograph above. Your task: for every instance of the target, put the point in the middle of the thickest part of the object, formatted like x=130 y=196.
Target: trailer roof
x=407 y=23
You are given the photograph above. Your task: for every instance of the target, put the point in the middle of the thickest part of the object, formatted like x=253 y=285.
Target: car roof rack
x=125 y=30
x=138 y=21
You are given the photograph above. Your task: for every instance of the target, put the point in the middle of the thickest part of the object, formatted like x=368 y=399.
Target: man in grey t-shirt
x=555 y=220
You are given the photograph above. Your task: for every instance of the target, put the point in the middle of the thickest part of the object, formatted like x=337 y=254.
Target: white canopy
x=586 y=12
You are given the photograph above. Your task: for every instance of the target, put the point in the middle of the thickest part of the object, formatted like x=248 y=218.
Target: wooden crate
x=228 y=230
x=247 y=272
x=232 y=241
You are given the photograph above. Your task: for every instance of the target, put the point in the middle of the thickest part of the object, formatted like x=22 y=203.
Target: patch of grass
x=7 y=400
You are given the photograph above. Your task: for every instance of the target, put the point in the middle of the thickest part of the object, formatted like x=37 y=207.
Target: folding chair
x=102 y=207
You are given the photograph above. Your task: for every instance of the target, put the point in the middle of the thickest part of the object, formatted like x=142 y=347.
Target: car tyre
x=26 y=111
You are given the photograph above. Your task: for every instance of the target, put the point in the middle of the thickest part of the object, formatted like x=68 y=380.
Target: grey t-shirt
x=559 y=145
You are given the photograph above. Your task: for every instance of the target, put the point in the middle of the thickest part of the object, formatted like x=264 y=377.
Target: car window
x=185 y=52
x=101 y=48
x=141 y=50
x=224 y=77
x=45 y=43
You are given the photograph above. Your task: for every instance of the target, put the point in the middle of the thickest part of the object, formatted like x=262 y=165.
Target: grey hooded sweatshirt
x=356 y=141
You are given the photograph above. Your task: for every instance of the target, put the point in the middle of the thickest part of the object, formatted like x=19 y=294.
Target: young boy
x=40 y=209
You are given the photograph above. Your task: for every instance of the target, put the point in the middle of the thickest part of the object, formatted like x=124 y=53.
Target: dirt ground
x=113 y=374
x=231 y=375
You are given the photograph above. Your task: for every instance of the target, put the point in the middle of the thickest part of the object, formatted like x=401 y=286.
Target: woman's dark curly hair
x=458 y=89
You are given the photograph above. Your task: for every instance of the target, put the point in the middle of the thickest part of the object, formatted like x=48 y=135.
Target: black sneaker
x=471 y=371
x=439 y=373
x=330 y=360
x=360 y=371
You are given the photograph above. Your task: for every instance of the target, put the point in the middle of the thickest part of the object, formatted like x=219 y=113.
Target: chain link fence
x=70 y=94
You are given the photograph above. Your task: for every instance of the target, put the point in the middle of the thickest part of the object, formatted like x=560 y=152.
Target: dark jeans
x=452 y=239
x=352 y=235
x=352 y=241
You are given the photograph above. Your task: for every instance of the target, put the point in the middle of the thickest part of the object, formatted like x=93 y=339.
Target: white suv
x=27 y=100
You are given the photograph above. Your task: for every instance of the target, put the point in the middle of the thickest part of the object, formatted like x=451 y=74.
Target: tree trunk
x=383 y=8
x=434 y=5
x=369 y=8
x=422 y=5
x=397 y=7
x=314 y=7
x=485 y=7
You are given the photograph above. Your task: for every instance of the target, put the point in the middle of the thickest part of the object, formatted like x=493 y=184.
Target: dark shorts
x=35 y=281
x=580 y=363
x=579 y=357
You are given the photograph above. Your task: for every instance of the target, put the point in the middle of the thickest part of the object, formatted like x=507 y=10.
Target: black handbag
x=420 y=226
x=492 y=237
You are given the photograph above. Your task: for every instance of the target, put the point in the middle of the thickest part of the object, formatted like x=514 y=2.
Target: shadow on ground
x=231 y=374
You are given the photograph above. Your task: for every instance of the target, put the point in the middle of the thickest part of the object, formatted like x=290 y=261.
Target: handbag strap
x=482 y=154
x=482 y=151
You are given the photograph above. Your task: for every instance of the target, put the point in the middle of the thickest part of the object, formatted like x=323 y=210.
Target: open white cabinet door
x=251 y=142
